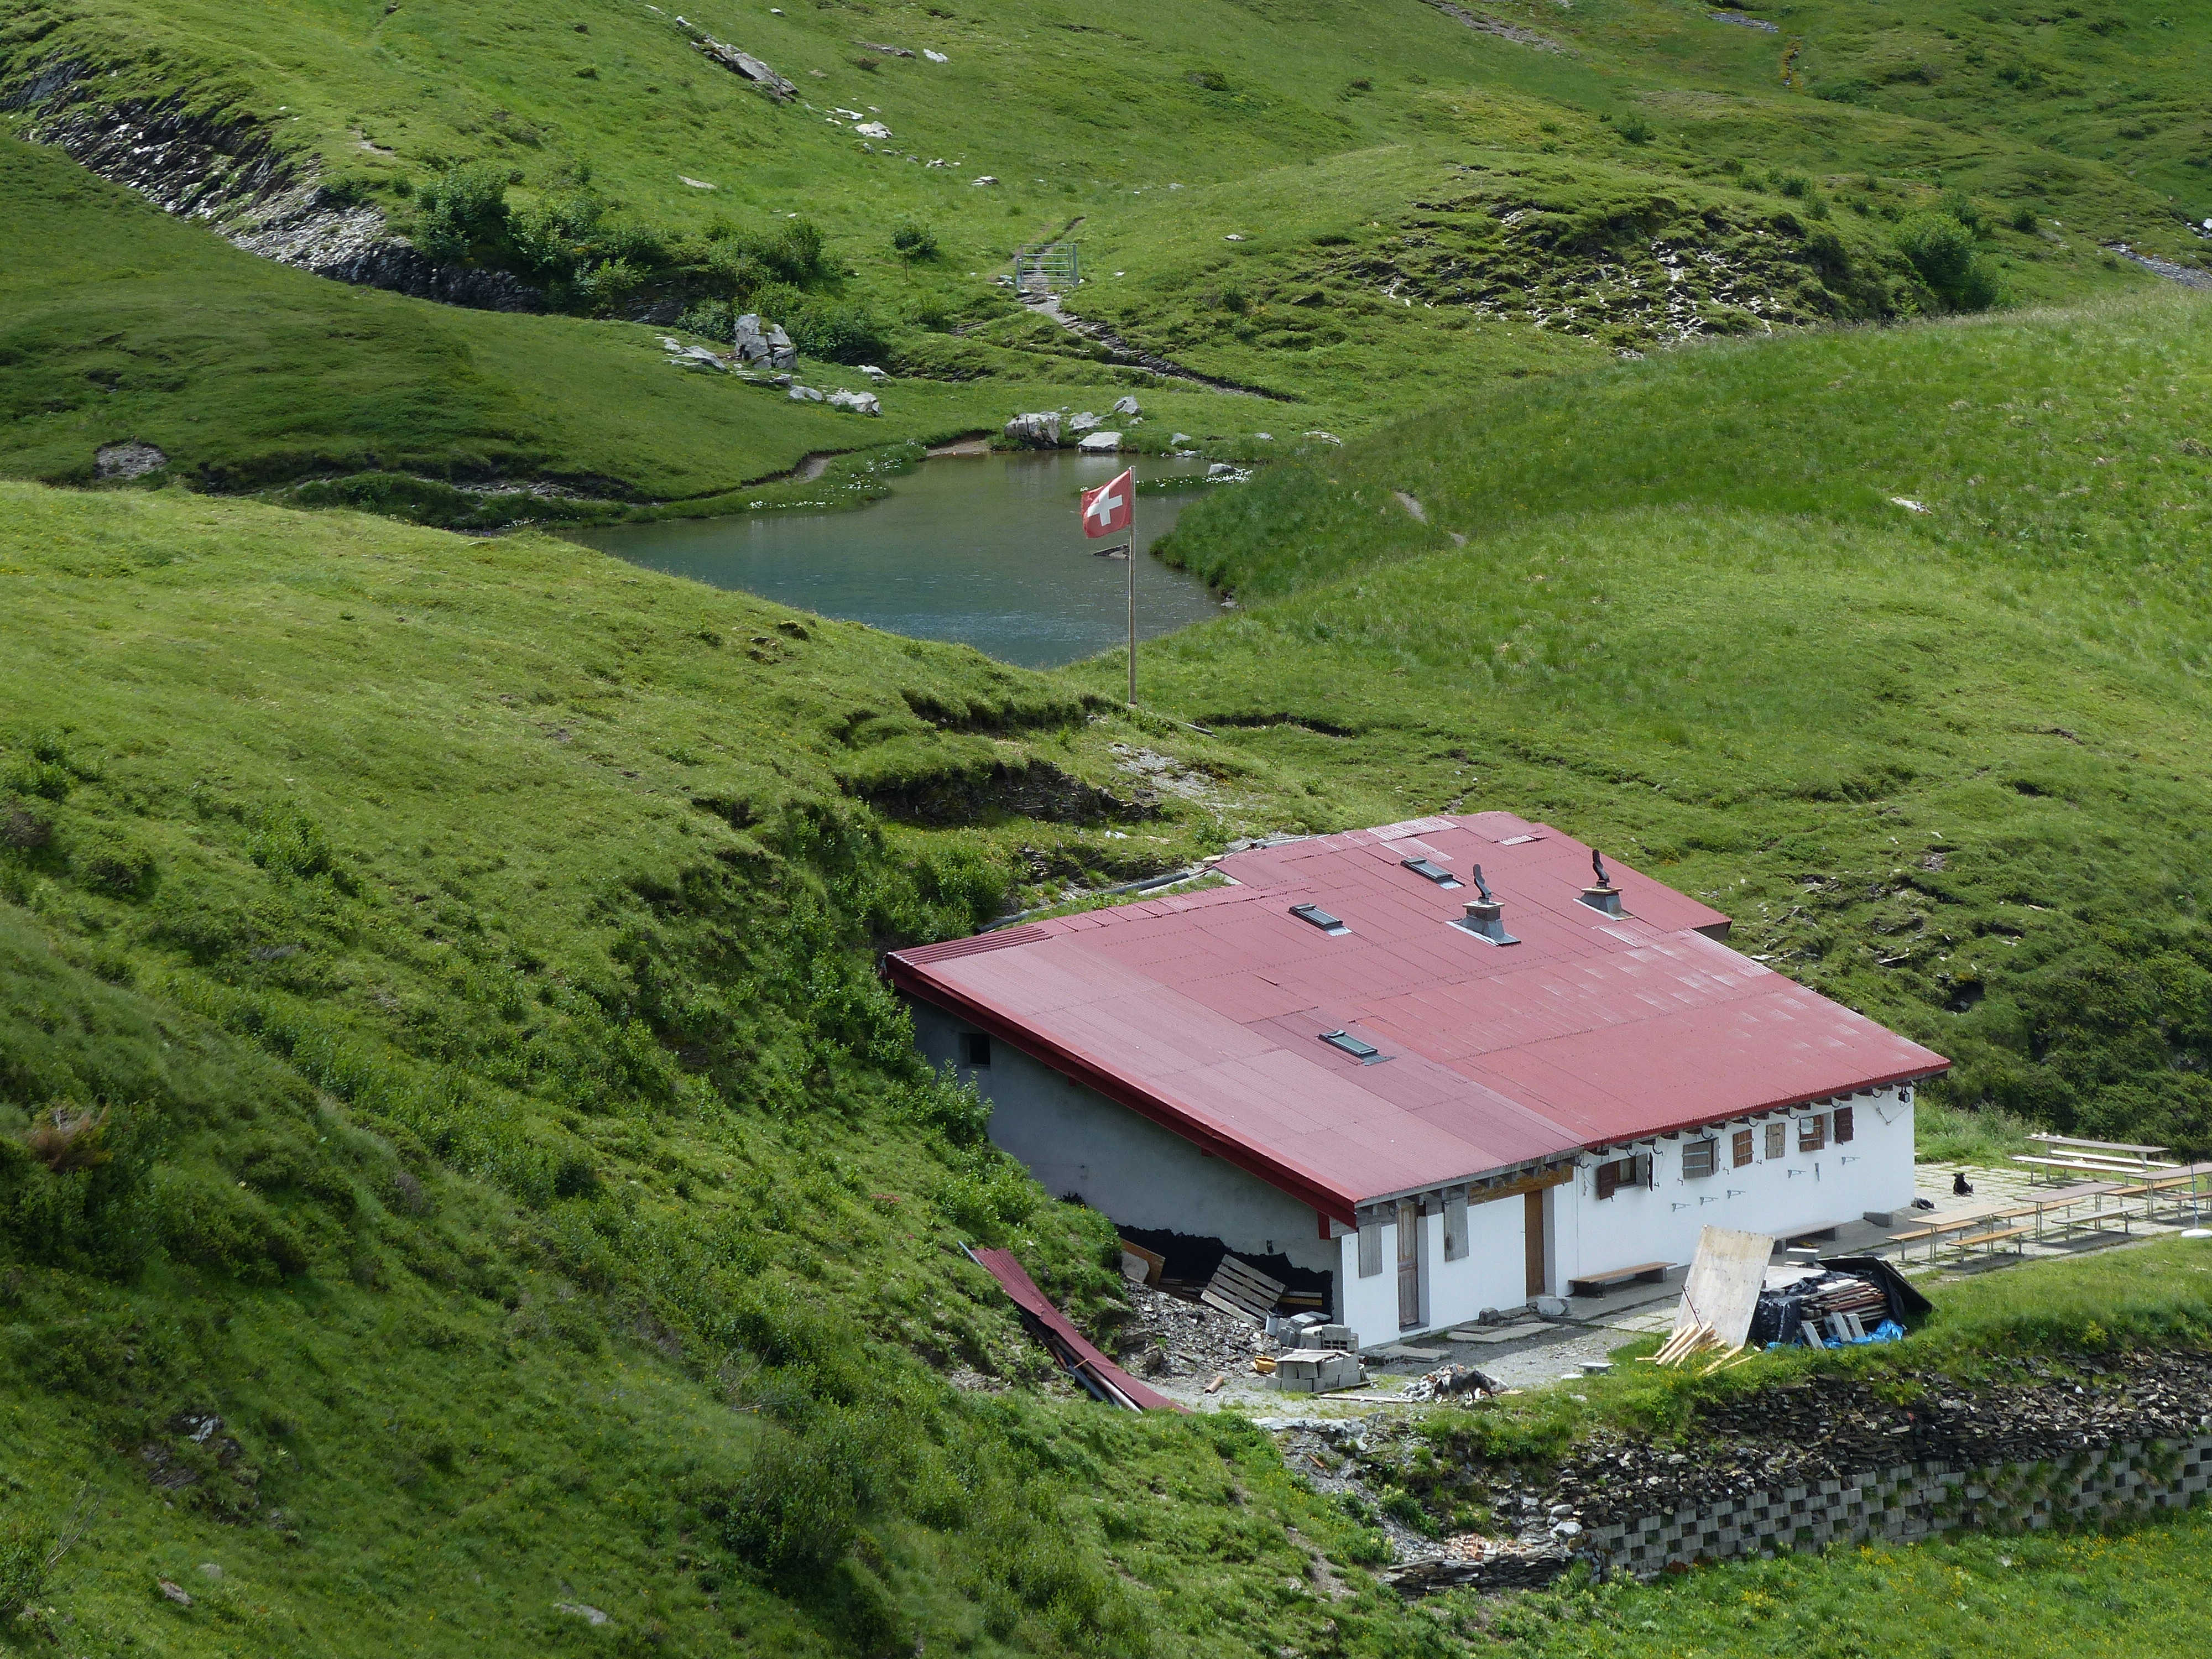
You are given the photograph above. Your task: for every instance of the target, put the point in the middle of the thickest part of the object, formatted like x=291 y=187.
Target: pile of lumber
x=1694 y=1342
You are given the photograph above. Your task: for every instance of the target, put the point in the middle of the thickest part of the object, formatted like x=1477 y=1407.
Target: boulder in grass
x=1099 y=443
x=1086 y=421
x=804 y=394
x=1037 y=431
x=1125 y=405
x=860 y=403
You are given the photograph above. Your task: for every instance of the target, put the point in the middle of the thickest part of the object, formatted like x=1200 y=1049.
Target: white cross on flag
x=1106 y=509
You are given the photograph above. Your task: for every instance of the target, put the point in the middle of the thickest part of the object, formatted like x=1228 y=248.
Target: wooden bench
x=1648 y=1273
x=1997 y=1237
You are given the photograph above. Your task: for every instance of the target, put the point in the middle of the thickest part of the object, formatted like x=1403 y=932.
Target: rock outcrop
x=1037 y=431
x=230 y=173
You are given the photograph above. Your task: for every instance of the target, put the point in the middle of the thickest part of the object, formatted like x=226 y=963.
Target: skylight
x=1435 y=872
x=1320 y=918
x=1365 y=1053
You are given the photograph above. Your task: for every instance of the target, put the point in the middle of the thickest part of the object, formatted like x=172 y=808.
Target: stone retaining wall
x=1909 y=1502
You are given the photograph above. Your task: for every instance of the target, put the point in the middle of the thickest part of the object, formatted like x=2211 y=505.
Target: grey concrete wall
x=1139 y=1175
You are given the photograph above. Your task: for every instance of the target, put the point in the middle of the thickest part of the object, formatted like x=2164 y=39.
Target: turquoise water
x=985 y=550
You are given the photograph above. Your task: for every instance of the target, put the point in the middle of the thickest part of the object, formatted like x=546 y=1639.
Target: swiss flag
x=1106 y=509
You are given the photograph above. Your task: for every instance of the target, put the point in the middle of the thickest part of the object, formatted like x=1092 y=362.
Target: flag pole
x=1132 y=575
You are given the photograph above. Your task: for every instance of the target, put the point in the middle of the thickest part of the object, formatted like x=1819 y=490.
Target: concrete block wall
x=1908 y=1502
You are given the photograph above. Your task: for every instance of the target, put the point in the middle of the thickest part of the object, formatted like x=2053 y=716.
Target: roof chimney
x=1482 y=918
x=1604 y=895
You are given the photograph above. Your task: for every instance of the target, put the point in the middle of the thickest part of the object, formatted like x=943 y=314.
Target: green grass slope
x=464 y=952
x=1422 y=206
x=1947 y=765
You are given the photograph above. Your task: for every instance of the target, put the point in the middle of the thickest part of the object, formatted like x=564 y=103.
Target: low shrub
x=1635 y=129
x=1941 y=250
x=915 y=242
x=111 y=862
x=795 y=1511
x=24 y=1569
x=229 y=1229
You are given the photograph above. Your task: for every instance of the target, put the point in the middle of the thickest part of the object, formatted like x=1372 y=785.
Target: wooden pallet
x=1239 y=1288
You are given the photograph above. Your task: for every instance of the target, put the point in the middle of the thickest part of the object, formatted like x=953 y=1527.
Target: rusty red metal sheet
x=1591 y=1030
x=1079 y=1355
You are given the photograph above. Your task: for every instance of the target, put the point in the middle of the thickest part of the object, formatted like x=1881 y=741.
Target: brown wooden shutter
x=1843 y=1124
x=1608 y=1179
x=1742 y=1147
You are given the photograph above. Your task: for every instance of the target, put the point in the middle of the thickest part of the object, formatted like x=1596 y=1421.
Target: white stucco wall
x=1493 y=1273
x=1793 y=1194
x=1140 y=1174
x=1137 y=1174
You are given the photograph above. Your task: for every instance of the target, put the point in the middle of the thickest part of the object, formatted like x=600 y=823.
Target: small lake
x=980 y=548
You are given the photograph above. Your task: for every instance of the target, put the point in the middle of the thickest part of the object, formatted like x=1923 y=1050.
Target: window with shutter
x=1844 y=1125
x=1742 y=1147
x=1370 y=1248
x=1608 y=1179
x=1812 y=1132
x=1700 y=1158
x=1776 y=1145
x=1456 y=1224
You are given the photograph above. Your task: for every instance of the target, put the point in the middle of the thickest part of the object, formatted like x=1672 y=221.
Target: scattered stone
x=1264 y=437
x=1099 y=443
x=1550 y=1307
x=872 y=130
x=935 y=56
x=804 y=394
x=1741 y=21
x=875 y=373
x=590 y=1615
x=1909 y=504
x=1324 y=437
x=1038 y=431
x=1085 y=422
x=1223 y=472
x=696 y=184
x=888 y=52
x=1125 y=406
x=860 y=403
x=743 y=63
x=127 y=460
x=1232 y=237
x=175 y=1592
x=1512 y=31
x=1180 y=437
x=987 y=178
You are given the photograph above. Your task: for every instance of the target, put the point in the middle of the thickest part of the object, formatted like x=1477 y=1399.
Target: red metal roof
x=1205 y=1012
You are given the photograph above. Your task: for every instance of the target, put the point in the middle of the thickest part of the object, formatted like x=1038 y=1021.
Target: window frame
x=1741 y=1147
x=1706 y=1150
x=1844 y=1128
x=1777 y=1141
x=976 y=1050
x=1813 y=1133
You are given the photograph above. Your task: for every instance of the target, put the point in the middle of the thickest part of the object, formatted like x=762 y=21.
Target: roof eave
x=1331 y=1201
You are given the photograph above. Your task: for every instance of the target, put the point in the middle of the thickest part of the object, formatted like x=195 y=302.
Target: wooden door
x=1533 y=1227
x=1409 y=1264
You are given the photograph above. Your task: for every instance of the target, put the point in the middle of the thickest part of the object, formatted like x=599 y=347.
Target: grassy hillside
x=463 y=952
x=1366 y=204
x=1944 y=761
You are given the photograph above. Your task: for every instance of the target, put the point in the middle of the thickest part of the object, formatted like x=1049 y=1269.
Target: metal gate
x=1046 y=268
